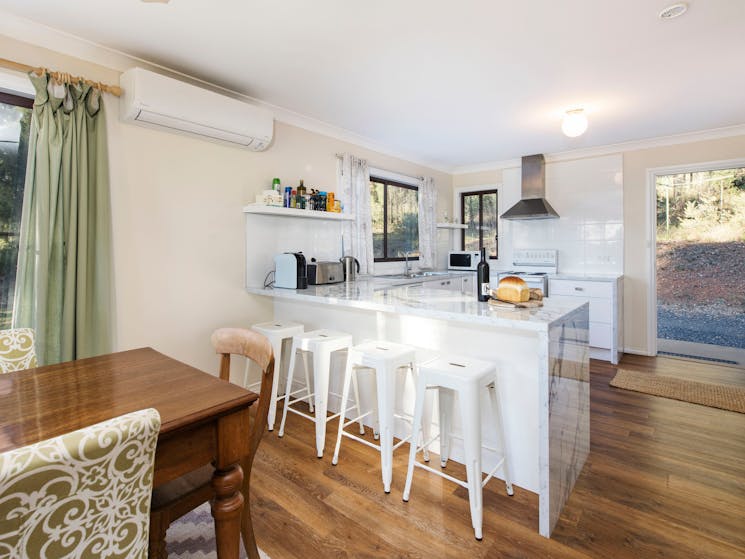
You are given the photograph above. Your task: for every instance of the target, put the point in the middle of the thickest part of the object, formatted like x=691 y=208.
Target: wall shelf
x=294 y=212
x=451 y=226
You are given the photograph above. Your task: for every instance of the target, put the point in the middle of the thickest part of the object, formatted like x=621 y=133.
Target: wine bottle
x=482 y=277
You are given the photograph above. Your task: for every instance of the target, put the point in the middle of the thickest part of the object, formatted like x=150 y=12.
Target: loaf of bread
x=513 y=289
x=536 y=294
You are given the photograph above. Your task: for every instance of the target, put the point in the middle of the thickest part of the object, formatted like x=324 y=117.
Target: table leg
x=227 y=507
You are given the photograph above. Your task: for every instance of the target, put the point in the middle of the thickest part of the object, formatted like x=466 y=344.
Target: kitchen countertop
x=587 y=277
x=414 y=298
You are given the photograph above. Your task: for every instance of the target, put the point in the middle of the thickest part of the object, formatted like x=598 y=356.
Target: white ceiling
x=454 y=83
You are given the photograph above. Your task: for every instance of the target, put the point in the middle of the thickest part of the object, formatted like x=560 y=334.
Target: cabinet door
x=468 y=285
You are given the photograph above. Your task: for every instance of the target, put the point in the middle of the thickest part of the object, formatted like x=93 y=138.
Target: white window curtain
x=353 y=180
x=427 y=222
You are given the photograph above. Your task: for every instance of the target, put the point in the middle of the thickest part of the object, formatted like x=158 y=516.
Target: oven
x=533 y=266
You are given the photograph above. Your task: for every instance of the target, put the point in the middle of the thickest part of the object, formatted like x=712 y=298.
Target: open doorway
x=700 y=264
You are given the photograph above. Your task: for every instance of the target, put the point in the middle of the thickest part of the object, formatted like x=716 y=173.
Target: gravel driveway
x=723 y=326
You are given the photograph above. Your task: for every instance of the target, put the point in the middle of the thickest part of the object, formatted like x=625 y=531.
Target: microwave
x=463 y=259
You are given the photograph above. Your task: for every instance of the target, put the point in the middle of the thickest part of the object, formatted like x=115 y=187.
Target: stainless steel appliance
x=533 y=203
x=290 y=271
x=463 y=259
x=320 y=273
x=533 y=266
x=351 y=267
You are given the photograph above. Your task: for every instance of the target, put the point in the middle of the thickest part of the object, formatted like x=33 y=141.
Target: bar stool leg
x=471 y=420
x=447 y=405
x=288 y=387
x=386 y=381
x=348 y=372
x=498 y=417
x=356 y=389
x=416 y=425
x=272 y=415
x=321 y=363
x=308 y=386
x=375 y=407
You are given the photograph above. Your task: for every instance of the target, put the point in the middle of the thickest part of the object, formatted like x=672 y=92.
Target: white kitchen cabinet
x=449 y=284
x=605 y=296
x=468 y=284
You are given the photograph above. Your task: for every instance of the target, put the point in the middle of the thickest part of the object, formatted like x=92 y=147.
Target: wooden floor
x=664 y=479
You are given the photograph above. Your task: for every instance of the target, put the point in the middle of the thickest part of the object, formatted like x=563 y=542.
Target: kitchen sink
x=412 y=275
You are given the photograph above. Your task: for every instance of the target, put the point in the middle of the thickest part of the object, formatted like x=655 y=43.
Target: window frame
x=17 y=100
x=480 y=193
x=389 y=182
x=23 y=101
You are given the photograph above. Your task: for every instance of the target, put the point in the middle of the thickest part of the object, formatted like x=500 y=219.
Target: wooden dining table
x=203 y=419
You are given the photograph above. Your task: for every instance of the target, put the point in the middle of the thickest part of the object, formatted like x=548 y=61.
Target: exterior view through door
x=700 y=264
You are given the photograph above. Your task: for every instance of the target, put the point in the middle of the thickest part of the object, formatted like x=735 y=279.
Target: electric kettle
x=350 y=272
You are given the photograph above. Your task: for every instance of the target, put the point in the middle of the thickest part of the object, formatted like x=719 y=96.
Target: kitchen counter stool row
x=448 y=375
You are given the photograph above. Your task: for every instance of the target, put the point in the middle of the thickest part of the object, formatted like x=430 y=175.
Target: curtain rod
x=62 y=77
x=341 y=155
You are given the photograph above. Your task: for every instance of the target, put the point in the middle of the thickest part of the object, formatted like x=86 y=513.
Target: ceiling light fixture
x=574 y=123
x=673 y=11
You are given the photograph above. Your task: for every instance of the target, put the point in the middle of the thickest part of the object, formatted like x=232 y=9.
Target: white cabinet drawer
x=601 y=310
x=449 y=284
x=581 y=288
x=600 y=335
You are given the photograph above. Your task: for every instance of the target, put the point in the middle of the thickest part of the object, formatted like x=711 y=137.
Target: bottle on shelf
x=330 y=202
x=276 y=184
x=482 y=277
x=301 y=188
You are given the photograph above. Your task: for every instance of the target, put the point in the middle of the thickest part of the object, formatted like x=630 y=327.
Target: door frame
x=652 y=174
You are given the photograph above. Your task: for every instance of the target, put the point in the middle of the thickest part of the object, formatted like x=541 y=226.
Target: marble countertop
x=587 y=277
x=379 y=294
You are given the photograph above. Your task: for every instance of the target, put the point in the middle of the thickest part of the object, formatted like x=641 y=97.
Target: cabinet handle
x=579 y=288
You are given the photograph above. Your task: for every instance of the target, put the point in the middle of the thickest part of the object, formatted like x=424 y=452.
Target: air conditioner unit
x=158 y=101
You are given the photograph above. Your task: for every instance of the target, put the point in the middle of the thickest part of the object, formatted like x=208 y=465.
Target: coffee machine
x=290 y=271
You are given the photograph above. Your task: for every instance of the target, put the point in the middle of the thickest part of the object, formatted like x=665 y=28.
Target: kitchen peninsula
x=541 y=355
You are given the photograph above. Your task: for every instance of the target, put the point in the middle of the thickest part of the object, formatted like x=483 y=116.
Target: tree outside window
x=395 y=220
x=15 y=121
x=479 y=214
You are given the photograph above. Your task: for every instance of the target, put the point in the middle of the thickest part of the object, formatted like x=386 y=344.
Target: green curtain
x=64 y=280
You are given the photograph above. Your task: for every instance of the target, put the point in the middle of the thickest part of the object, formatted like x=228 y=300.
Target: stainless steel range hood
x=532 y=204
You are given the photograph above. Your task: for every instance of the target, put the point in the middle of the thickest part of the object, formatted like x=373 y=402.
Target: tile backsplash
x=588 y=196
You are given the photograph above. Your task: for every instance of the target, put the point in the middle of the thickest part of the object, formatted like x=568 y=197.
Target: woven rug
x=721 y=396
x=193 y=536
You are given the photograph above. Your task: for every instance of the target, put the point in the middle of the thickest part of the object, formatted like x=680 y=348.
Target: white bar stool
x=385 y=358
x=466 y=377
x=277 y=331
x=321 y=343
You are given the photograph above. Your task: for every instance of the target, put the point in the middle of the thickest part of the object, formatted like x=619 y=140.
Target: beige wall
x=179 y=247
x=639 y=234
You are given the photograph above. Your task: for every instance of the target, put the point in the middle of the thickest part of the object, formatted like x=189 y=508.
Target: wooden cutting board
x=509 y=305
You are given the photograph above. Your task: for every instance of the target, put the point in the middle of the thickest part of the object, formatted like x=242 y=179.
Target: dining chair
x=174 y=499
x=82 y=494
x=17 y=350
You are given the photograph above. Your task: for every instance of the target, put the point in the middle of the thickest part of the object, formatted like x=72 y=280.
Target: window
x=15 y=120
x=395 y=220
x=478 y=210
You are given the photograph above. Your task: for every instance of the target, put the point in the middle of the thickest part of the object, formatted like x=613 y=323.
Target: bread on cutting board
x=513 y=289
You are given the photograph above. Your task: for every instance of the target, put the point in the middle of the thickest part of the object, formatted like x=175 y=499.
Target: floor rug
x=193 y=536
x=721 y=396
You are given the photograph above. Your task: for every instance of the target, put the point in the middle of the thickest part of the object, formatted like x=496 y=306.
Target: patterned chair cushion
x=84 y=494
x=17 y=350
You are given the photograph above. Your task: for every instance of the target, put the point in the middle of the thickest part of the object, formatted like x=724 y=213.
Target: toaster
x=290 y=271
x=325 y=272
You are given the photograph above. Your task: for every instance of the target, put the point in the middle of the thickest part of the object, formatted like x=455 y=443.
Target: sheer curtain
x=427 y=222
x=64 y=281
x=353 y=178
